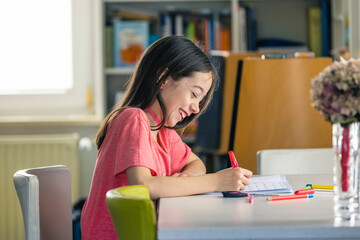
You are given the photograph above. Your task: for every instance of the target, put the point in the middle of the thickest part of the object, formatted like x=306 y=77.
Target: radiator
x=29 y=151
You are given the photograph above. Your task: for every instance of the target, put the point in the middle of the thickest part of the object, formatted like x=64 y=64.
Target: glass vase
x=346 y=148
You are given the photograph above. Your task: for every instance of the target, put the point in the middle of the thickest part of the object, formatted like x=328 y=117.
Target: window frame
x=85 y=101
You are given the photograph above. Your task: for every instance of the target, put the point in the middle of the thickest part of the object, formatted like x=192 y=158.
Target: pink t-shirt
x=128 y=142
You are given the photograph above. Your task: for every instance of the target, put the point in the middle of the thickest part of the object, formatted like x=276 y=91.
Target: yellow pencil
x=319 y=186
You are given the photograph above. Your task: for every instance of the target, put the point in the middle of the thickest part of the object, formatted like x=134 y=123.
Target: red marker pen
x=233 y=159
x=234 y=193
x=251 y=198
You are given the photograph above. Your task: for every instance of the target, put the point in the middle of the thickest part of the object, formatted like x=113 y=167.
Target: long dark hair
x=172 y=56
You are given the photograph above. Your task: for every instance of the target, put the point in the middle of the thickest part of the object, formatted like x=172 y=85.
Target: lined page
x=271 y=183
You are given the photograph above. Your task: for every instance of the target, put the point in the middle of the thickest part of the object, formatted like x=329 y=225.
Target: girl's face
x=182 y=98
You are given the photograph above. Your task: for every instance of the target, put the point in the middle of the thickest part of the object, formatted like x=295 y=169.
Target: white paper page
x=266 y=184
x=268 y=178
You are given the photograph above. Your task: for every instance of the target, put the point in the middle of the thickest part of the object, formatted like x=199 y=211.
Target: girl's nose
x=195 y=108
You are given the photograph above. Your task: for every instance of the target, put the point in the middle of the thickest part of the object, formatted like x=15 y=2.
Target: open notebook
x=272 y=184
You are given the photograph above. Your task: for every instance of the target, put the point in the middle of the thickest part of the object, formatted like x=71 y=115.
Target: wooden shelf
x=119 y=71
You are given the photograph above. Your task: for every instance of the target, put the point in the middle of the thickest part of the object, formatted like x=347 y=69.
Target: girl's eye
x=194 y=94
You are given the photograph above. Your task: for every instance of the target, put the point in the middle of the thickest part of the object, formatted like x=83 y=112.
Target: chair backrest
x=132 y=212
x=45 y=198
x=295 y=161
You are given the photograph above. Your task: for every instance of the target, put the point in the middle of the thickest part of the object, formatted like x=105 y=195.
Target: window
x=46 y=58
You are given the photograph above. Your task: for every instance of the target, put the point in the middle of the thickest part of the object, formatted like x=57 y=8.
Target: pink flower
x=336 y=92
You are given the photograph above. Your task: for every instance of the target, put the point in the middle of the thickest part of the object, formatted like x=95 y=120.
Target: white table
x=215 y=217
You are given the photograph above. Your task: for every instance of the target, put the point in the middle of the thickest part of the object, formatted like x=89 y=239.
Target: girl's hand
x=233 y=179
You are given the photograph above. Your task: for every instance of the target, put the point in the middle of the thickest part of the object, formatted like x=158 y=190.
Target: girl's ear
x=162 y=74
x=164 y=84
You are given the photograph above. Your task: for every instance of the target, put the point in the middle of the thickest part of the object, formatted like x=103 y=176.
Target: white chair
x=45 y=198
x=295 y=161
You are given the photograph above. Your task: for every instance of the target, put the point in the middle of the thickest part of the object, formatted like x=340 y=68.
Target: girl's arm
x=194 y=167
x=230 y=179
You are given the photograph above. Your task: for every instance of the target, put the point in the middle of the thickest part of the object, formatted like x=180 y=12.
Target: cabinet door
x=274 y=109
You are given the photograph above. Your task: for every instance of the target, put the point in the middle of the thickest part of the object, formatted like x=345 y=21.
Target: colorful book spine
x=251 y=29
x=206 y=34
x=179 y=29
x=190 y=30
x=166 y=24
x=211 y=34
x=225 y=38
x=217 y=30
x=314 y=15
x=242 y=28
x=109 y=46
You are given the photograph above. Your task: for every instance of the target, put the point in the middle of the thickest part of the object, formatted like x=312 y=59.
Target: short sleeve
x=132 y=141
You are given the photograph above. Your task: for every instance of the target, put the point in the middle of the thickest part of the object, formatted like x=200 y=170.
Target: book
x=211 y=34
x=225 y=38
x=242 y=19
x=127 y=14
x=109 y=45
x=179 y=28
x=271 y=184
x=251 y=29
x=131 y=38
x=325 y=28
x=224 y=31
x=314 y=16
x=280 y=46
x=190 y=31
x=288 y=51
x=166 y=24
x=216 y=30
x=206 y=34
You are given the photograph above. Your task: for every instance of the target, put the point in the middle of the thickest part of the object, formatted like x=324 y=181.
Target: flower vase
x=346 y=146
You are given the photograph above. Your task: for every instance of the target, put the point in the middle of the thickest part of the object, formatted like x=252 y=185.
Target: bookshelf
x=156 y=12
x=278 y=19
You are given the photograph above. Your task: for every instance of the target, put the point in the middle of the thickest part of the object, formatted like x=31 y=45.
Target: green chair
x=132 y=212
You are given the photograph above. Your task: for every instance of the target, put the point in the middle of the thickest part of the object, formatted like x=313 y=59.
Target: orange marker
x=288 y=197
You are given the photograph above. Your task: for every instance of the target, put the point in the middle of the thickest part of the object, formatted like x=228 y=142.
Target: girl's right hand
x=233 y=179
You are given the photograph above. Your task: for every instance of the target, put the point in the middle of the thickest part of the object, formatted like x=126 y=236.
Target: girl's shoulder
x=132 y=111
x=130 y=114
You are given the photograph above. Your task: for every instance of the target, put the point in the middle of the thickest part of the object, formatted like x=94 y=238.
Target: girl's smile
x=182 y=98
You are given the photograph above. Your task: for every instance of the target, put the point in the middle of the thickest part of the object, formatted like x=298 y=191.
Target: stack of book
x=129 y=33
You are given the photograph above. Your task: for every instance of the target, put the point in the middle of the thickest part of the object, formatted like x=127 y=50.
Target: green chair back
x=132 y=212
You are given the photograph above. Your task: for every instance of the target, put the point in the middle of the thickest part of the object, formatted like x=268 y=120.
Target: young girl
x=171 y=86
